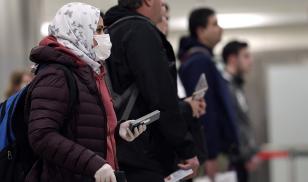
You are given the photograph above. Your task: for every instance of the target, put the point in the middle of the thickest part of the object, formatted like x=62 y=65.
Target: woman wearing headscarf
x=79 y=146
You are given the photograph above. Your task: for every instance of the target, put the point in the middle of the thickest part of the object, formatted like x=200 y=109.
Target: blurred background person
x=196 y=55
x=191 y=109
x=238 y=63
x=18 y=80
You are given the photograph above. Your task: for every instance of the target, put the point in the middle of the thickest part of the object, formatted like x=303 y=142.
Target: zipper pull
x=9 y=155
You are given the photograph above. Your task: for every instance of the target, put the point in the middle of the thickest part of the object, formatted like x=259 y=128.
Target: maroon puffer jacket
x=64 y=159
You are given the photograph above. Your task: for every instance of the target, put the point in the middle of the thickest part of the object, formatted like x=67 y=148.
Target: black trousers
x=241 y=172
x=143 y=176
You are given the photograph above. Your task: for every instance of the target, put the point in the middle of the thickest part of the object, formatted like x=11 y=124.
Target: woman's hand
x=127 y=134
x=105 y=174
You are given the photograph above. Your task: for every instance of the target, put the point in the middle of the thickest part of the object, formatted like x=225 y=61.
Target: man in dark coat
x=238 y=62
x=191 y=109
x=138 y=56
x=196 y=55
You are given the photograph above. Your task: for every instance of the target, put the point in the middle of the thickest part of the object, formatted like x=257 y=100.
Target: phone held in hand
x=146 y=120
x=179 y=175
x=201 y=88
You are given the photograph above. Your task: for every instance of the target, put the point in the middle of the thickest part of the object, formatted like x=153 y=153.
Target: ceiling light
x=44 y=28
x=241 y=20
x=227 y=21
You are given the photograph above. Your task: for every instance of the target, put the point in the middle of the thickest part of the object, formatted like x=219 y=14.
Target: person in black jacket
x=138 y=56
x=196 y=55
x=190 y=108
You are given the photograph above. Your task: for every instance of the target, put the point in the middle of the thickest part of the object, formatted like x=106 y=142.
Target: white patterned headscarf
x=74 y=27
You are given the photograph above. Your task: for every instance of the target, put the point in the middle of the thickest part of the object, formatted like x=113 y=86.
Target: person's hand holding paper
x=197 y=106
x=201 y=88
x=197 y=101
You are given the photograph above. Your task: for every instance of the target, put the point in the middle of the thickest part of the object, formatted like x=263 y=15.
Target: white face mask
x=103 y=49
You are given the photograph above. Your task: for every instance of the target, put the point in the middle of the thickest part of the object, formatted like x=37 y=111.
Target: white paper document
x=201 y=87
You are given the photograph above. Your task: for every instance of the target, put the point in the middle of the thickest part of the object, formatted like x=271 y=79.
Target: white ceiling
x=231 y=6
x=273 y=12
x=277 y=12
x=286 y=24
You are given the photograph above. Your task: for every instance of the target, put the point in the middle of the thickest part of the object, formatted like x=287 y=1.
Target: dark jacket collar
x=47 y=54
x=187 y=43
x=51 y=51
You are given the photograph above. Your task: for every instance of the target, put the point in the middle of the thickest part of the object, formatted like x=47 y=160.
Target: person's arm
x=49 y=102
x=147 y=60
x=186 y=111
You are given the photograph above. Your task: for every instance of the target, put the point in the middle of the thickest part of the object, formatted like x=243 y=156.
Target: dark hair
x=130 y=4
x=233 y=48
x=199 y=18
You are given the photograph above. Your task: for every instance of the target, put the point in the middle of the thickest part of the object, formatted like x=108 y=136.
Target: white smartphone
x=147 y=119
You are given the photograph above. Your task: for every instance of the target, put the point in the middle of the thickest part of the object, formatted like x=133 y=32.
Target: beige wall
x=19 y=30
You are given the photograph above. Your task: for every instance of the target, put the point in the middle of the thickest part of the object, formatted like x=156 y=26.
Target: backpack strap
x=130 y=94
x=7 y=112
x=131 y=102
x=72 y=86
x=3 y=108
x=195 y=50
x=71 y=83
x=73 y=92
x=73 y=97
x=10 y=136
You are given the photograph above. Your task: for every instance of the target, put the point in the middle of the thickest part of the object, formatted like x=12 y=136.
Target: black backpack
x=16 y=155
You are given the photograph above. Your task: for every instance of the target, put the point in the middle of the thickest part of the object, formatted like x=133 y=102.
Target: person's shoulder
x=141 y=29
x=204 y=56
x=140 y=20
x=51 y=75
x=135 y=22
x=139 y=24
x=199 y=59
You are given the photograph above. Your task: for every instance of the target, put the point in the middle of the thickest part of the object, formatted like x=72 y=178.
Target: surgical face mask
x=103 y=49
